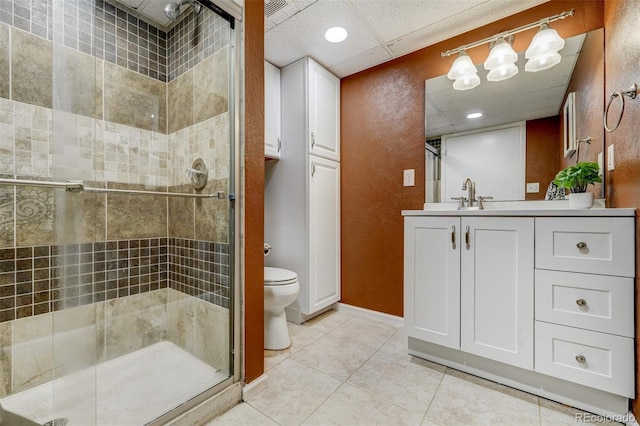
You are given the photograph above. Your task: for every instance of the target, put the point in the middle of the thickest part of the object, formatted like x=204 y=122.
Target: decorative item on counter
x=577 y=178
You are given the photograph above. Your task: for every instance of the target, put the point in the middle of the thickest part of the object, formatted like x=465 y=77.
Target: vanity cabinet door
x=432 y=279
x=497 y=296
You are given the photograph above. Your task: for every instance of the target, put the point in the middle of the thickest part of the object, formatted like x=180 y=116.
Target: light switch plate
x=409 y=177
x=610 y=159
x=533 y=187
x=601 y=163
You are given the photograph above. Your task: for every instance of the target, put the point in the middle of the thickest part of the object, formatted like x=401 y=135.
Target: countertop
x=521 y=208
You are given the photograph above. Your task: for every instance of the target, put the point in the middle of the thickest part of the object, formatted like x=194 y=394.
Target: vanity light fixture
x=464 y=73
x=542 y=54
x=501 y=62
x=336 y=34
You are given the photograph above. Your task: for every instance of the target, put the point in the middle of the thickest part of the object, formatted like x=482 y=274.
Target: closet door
x=324 y=233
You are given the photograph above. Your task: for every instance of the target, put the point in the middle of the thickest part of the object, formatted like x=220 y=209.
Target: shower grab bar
x=78 y=186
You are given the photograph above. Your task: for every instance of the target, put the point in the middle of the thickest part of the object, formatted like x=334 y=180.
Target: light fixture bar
x=547 y=20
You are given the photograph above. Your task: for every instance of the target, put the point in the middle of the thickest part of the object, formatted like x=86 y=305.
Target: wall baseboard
x=379 y=316
x=250 y=390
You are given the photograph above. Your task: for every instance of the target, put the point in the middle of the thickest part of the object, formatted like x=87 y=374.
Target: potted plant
x=576 y=179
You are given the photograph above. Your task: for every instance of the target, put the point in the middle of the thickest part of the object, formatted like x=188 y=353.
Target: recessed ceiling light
x=475 y=115
x=336 y=34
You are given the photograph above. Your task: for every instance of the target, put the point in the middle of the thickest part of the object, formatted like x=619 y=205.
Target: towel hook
x=631 y=92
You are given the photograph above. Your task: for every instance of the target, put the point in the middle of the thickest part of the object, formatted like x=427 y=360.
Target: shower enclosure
x=116 y=274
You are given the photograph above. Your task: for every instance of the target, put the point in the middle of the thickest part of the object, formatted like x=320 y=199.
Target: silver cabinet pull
x=466 y=237
x=581 y=359
x=581 y=245
x=453 y=237
x=313 y=140
x=581 y=302
x=313 y=169
x=279 y=144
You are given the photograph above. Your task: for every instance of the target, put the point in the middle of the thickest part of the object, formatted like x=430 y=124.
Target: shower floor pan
x=132 y=389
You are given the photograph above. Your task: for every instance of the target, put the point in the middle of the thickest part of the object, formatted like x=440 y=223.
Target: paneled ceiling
x=379 y=30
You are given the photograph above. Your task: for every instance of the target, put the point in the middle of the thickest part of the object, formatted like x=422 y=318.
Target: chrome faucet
x=469 y=185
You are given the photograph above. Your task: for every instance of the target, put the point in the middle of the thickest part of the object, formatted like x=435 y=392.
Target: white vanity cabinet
x=302 y=189
x=469 y=285
x=272 y=126
x=539 y=300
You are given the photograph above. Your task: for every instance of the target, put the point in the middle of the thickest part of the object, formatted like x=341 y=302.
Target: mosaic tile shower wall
x=31 y=277
x=86 y=90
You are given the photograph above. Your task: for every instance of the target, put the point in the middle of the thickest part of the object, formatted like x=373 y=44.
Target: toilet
x=281 y=289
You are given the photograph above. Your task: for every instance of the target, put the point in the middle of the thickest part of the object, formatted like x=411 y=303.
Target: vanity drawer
x=598 y=245
x=593 y=359
x=595 y=302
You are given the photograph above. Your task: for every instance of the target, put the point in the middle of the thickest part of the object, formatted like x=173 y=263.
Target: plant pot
x=581 y=200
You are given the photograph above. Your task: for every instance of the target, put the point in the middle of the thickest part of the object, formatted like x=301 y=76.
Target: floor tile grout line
x=426 y=413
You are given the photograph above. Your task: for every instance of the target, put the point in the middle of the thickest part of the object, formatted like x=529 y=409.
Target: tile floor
x=348 y=369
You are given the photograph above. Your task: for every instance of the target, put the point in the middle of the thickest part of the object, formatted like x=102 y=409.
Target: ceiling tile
x=364 y=60
x=394 y=19
x=303 y=35
x=475 y=17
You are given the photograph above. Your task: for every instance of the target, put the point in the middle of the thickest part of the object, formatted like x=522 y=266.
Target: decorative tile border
x=41 y=279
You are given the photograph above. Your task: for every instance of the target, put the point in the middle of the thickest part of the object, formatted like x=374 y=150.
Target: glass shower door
x=115 y=299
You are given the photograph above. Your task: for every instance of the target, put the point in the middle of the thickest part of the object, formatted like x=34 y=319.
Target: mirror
x=533 y=101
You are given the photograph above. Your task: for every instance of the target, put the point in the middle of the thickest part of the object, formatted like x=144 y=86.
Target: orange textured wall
x=254 y=190
x=382 y=133
x=622 y=57
x=543 y=138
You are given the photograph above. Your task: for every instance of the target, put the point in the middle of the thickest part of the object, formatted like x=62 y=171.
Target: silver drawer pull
x=581 y=245
x=581 y=302
x=581 y=359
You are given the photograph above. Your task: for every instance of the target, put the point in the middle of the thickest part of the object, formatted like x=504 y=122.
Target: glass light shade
x=545 y=41
x=466 y=83
x=502 y=72
x=462 y=67
x=502 y=53
x=543 y=62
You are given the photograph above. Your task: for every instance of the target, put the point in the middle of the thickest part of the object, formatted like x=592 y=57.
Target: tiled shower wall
x=94 y=104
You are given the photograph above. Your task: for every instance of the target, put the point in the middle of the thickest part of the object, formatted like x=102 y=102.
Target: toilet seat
x=279 y=276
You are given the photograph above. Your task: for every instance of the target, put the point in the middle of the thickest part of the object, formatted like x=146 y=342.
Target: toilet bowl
x=281 y=289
